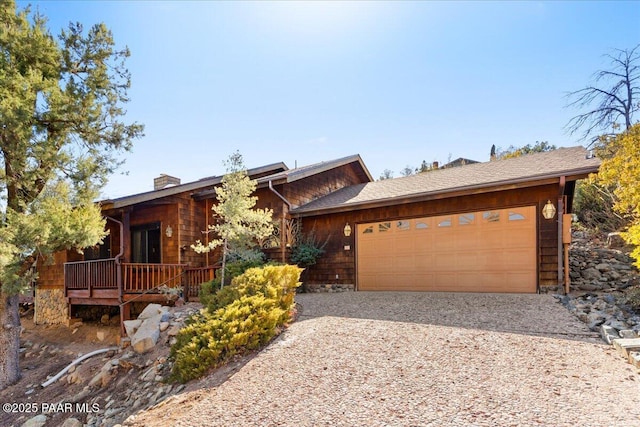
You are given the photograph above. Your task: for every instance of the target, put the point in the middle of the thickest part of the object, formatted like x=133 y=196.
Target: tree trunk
x=9 y=340
x=224 y=262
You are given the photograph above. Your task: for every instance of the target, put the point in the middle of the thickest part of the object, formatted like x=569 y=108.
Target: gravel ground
x=421 y=359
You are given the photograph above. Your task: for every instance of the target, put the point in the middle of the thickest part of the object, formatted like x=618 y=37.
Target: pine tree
x=60 y=107
x=238 y=225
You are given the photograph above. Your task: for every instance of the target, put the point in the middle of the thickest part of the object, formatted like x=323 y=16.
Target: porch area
x=111 y=282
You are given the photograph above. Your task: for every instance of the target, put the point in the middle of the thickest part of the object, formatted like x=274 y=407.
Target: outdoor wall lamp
x=347 y=230
x=169 y=231
x=549 y=210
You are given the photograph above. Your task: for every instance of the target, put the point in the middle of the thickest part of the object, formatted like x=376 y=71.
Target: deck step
x=626 y=346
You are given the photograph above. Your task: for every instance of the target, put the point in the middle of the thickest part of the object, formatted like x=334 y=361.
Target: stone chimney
x=164 y=181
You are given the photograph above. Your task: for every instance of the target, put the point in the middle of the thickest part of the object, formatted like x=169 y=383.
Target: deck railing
x=136 y=278
x=97 y=274
x=193 y=278
x=139 y=278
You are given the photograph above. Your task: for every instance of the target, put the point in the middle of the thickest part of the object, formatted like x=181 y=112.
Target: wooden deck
x=109 y=282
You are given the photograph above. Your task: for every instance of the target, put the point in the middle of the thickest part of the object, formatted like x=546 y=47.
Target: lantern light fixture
x=549 y=210
x=347 y=230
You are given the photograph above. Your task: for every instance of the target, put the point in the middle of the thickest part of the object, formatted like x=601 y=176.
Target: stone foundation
x=332 y=287
x=50 y=306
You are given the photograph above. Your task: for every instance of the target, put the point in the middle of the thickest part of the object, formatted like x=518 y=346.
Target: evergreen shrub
x=239 y=318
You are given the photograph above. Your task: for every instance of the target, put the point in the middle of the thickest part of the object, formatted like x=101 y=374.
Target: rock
x=81 y=395
x=626 y=346
x=102 y=378
x=608 y=334
x=105 y=319
x=37 y=421
x=603 y=267
x=164 y=326
x=173 y=331
x=627 y=333
x=150 y=311
x=74 y=378
x=147 y=334
x=72 y=422
x=101 y=335
x=618 y=325
x=595 y=319
x=149 y=375
x=634 y=359
x=131 y=326
x=589 y=287
x=614 y=275
x=615 y=240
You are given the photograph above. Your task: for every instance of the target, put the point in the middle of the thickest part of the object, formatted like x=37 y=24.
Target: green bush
x=241 y=317
x=233 y=269
x=307 y=250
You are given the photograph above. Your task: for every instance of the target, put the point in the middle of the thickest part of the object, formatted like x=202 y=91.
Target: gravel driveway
x=422 y=359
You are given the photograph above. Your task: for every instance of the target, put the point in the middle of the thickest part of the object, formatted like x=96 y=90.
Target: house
x=460 y=161
x=150 y=234
x=473 y=228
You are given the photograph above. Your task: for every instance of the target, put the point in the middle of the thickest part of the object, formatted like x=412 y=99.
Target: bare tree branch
x=611 y=98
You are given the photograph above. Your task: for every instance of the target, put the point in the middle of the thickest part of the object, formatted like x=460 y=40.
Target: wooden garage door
x=490 y=251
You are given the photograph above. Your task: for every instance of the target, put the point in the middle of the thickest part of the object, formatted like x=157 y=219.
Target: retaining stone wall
x=332 y=287
x=50 y=306
x=594 y=267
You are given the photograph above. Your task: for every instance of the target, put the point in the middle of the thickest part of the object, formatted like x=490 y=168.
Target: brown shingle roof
x=572 y=162
x=291 y=175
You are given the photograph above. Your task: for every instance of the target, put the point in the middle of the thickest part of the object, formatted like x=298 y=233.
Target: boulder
x=595 y=319
x=147 y=334
x=72 y=422
x=608 y=333
x=101 y=335
x=591 y=274
x=37 y=421
x=131 y=326
x=150 y=311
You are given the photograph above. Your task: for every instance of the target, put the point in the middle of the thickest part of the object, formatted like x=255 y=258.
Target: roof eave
x=571 y=175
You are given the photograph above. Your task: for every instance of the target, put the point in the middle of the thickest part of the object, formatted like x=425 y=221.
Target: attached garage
x=473 y=228
x=484 y=251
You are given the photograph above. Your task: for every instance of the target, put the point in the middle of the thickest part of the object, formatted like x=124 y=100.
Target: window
x=466 y=219
x=514 y=216
x=145 y=243
x=421 y=225
x=491 y=216
x=402 y=225
x=368 y=230
x=384 y=226
x=445 y=222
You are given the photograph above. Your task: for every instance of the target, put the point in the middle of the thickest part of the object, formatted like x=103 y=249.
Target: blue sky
x=303 y=82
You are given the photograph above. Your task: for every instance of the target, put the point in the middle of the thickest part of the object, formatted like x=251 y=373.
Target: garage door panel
x=491 y=251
